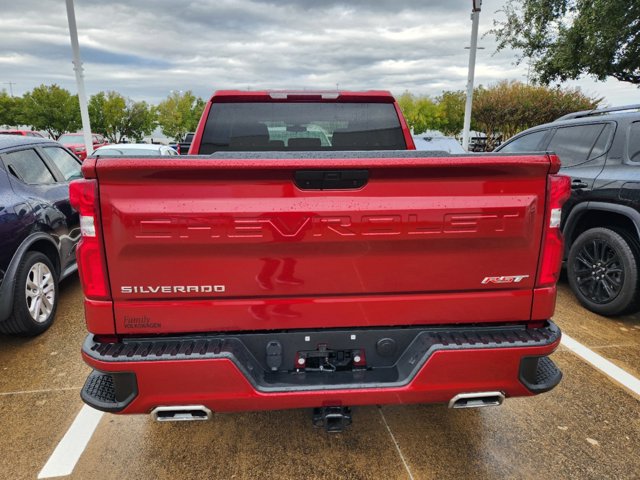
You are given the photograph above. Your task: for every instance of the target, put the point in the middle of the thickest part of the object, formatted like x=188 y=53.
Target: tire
x=36 y=287
x=602 y=268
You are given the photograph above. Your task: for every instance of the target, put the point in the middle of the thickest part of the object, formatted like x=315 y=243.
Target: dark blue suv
x=39 y=230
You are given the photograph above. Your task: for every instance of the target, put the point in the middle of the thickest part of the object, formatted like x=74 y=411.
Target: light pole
x=475 y=19
x=77 y=66
x=11 y=84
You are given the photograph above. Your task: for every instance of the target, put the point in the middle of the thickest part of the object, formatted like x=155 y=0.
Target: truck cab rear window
x=253 y=126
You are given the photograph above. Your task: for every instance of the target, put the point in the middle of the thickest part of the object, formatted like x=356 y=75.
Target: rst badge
x=504 y=279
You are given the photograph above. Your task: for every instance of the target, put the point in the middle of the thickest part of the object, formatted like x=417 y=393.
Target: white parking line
x=395 y=442
x=605 y=366
x=47 y=390
x=66 y=455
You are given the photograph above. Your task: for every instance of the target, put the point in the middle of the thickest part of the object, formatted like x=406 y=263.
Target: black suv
x=38 y=230
x=600 y=151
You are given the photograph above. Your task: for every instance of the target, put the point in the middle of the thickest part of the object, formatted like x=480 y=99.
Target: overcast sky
x=146 y=48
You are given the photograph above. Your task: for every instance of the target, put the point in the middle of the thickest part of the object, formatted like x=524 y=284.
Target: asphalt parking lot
x=588 y=427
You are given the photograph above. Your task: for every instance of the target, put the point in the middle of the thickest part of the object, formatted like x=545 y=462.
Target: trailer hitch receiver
x=332 y=419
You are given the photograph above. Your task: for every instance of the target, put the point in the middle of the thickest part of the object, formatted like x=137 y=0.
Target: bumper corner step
x=109 y=392
x=539 y=374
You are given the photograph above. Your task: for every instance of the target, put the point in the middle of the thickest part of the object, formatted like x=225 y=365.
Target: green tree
x=420 y=112
x=118 y=117
x=140 y=119
x=9 y=109
x=564 y=39
x=114 y=112
x=507 y=108
x=96 y=113
x=50 y=108
x=451 y=112
x=407 y=101
x=179 y=113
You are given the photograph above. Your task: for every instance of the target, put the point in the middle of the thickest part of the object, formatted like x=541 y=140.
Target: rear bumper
x=226 y=372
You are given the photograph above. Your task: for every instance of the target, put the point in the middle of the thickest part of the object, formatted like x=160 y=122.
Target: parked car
x=24 y=133
x=75 y=143
x=484 y=143
x=600 y=150
x=39 y=230
x=185 y=144
x=437 y=143
x=134 y=149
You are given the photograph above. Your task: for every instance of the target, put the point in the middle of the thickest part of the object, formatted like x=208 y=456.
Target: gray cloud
x=145 y=48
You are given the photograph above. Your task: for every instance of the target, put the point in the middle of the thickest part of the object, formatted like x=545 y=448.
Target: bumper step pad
x=539 y=374
x=109 y=392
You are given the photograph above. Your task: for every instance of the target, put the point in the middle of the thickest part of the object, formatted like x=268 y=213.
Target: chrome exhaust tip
x=477 y=400
x=181 y=413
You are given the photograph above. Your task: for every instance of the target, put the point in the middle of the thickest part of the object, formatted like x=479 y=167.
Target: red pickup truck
x=75 y=143
x=309 y=257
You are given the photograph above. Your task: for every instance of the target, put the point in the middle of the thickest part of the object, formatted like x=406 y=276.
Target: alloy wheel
x=599 y=271
x=40 y=292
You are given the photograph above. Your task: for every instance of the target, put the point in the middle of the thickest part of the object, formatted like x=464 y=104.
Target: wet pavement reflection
x=588 y=427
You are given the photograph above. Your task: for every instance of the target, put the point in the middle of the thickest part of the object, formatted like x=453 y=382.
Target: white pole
x=475 y=19
x=77 y=66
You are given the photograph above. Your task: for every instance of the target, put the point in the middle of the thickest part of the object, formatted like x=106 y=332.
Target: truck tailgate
x=199 y=244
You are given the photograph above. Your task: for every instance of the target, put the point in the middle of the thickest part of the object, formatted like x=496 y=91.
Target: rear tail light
x=87 y=226
x=83 y=195
x=558 y=191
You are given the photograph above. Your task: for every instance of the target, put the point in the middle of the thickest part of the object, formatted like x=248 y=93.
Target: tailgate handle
x=331 y=179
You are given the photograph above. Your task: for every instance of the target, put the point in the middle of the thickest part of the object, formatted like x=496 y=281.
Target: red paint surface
x=410 y=247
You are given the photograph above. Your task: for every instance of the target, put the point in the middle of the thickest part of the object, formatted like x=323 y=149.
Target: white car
x=437 y=143
x=134 y=149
